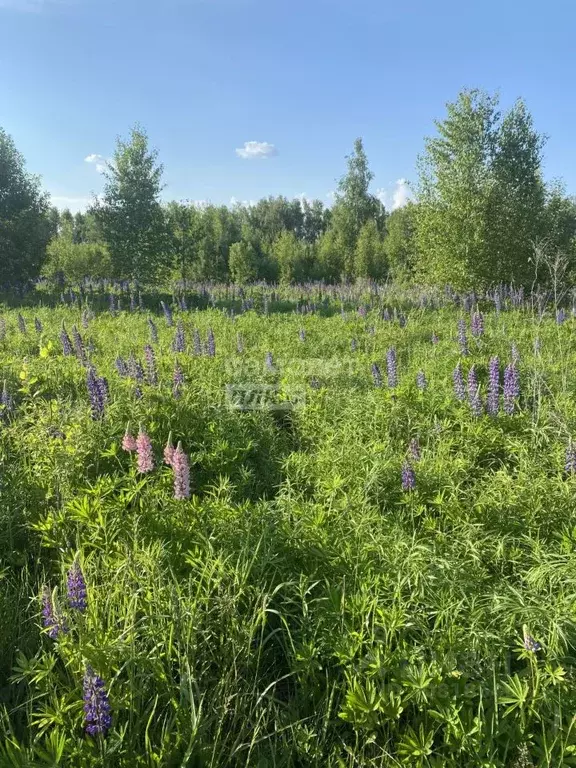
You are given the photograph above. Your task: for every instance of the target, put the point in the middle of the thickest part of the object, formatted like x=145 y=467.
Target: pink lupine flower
x=129 y=441
x=181 y=469
x=145 y=454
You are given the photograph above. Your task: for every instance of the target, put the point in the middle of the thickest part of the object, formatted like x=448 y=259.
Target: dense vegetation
x=480 y=210
x=309 y=527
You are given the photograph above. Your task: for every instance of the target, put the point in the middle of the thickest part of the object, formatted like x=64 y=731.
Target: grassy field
x=376 y=562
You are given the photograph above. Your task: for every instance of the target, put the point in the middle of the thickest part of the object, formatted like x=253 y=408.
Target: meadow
x=311 y=526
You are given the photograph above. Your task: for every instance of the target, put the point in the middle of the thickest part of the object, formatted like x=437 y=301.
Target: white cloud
x=331 y=196
x=74 y=204
x=401 y=195
x=246 y=203
x=382 y=195
x=98 y=161
x=256 y=150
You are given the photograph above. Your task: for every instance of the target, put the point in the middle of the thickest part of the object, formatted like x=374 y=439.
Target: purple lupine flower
x=197 y=342
x=169 y=451
x=570 y=464
x=96 y=394
x=362 y=311
x=462 y=340
x=132 y=303
x=353 y=345
x=121 y=367
x=315 y=383
x=497 y=302
x=129 y=441
x=511 y=388
x=85 y=319
x=414 y=449
x=179 y=343
x=6 y=402
x=392 y=368
x=145 y=453
x=458 y=380
x=386 y=315
x=270 y=362
x=138 y=395
x=408 y=477
x=529 y=643
x=477 y=324
x=181 y=467
x=435 y=337
x=97 y=711
x=78 y=344
x=493 y=400
x=473 y=393
x=183 y=304
x=167 y=313
x=49 y=619
x=560 y=316
x=239 y=343
x=302 y=334
x=153 y=331
x=177 y=381
x=21 y=324
x=515 y=353
x=376 y=375
x=152 y=373
x=112 y=304
x=421 y=382
x=38 y=325
x=76 y=588
x=66 y=343
x=210 y=343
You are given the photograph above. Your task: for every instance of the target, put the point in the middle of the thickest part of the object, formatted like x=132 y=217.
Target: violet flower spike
x=49 y=619
x=570 y=463
x=511 y=388
x=97 y=710
x=462 y=340
x=493 y=401
x=408 y=477
x=76 y=588
x=392 y=368
x=421 y=381
x=458 y=380
x=473 y=393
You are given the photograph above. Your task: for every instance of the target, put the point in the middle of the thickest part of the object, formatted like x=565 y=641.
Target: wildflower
x=269 y=361
x=462 y=340
x=179 y=343
x=392 y=368
x=181 y=468
x=153 y=331
x=128 y=441
x=239 y=343
x=515 y=353
x=408 y=477
x=96 y=394
x=66 y=343
x=6 y=401
x=477 y=324
x=211 y=343
x=167 y=314
x=376 y=375
x=49 y=618
x=21 y=324
x=169 y=451
x=353 y=345
x=435 y=338
x=97 y=717
x=145 y=454
x=76 y=588
x=473 y=394
x=386 y=314
x=362 y=311
x=78 y=344
x=560 y=316
x=458 y=379
x=570 y=464
x=152 y=374
x=315 y=382
x=85 y=318
x=302 y=334
x=121 y=367
x=493 y=402
x=421 y=382
x=138 y=392
x=529 y=643
x=140 y=301
x=511 y=388
x=177 y=381
x=414 y=449
x=38 y=325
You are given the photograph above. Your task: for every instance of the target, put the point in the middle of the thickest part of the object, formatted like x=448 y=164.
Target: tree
x=130 y=215
x=399 y=245
x=25 y=224
x=370 y=260
x=243 y=262
x=480 y=195
x=290 y=254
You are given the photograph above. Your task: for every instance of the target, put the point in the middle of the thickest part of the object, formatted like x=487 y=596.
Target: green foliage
x=291 y=257
x=370 y=259
x=25 y=220
x=76 y=260
x=243 y=262
x=400 y=242
x=129 y=215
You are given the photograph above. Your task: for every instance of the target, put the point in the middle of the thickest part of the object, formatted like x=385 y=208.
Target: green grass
x=300 y=609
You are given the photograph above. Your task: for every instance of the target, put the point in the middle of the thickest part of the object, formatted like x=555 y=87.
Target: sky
x=249 y=98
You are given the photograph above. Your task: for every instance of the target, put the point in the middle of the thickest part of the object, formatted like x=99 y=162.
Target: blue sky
x=204 y=77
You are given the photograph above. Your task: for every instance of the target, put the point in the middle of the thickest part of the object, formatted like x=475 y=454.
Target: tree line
x=481 y=210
